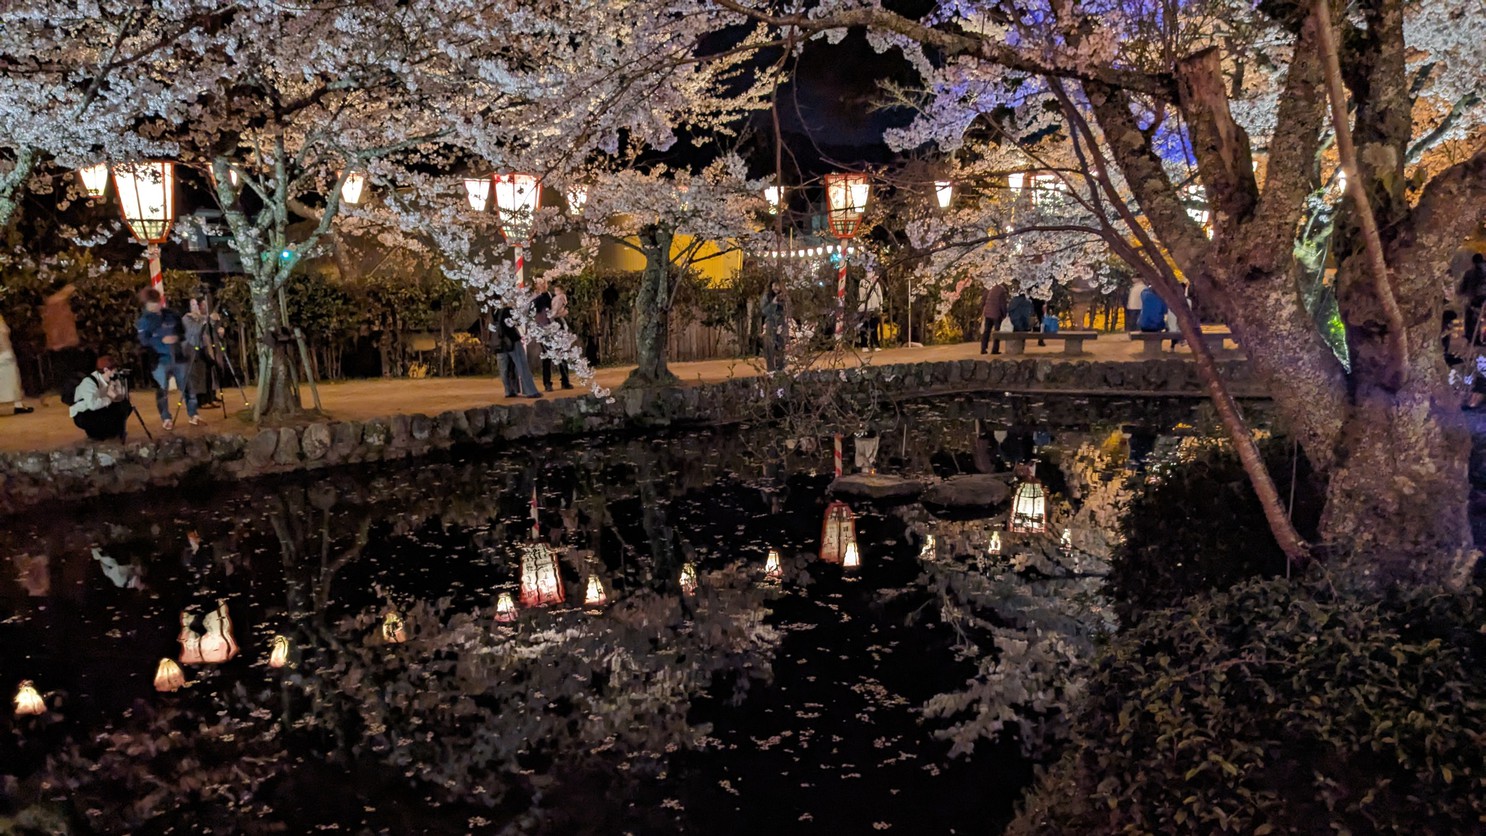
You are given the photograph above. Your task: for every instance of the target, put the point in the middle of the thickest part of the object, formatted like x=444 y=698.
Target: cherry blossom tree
x=1247 y=101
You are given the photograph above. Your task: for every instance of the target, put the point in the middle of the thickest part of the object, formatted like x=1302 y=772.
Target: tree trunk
x=653 y=312
x=275 y=402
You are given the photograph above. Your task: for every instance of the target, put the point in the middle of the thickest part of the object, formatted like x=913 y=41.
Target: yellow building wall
x=716 y=270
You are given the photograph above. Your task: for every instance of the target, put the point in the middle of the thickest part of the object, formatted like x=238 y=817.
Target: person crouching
x=100 y=404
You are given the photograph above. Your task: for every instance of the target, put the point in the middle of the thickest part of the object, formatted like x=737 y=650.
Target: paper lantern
x=517 y=197
x=1029 y=509
x=94 y=179
x=594 y=595
x=837 y=532
x=775 y=196
x=393 y=631
x=944 y=192
x=773 y=566
x=352 y=188
x=540 y=582
x=1016 y=180
x=217 y=644
x=505 y=608
x=28 y=703
x=190 y=641
x=278 y=655
x=994 y=547
x=847 y=194
x=477 y=191
x=852 y=559
x=147 y=198
x=169 y=676
x=688 y=579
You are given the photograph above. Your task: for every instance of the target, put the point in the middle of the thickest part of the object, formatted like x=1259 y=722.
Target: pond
x=572 y=638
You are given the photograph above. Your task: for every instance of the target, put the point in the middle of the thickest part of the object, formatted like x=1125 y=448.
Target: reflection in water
x=687 y=676
x=27 y=701
x=1028 y=505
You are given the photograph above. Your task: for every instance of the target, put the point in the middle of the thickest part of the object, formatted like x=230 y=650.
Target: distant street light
x=944 y=192
x=517 y=197
x=477 y=191
x=577 y=198
x=351 y=190
x=147 y=199
x=775 y=196
x=94 y=179
x=847 y=194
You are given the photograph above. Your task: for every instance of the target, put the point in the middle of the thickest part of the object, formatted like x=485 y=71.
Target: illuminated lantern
x=28 y=703
x=773 y=566
x=477 y=191
x=930 y=548
x=838 y=531
x=393 y=631
x=94 y=179
x=351 y=189
x=595 y=596
x=688 y=579
x=774 y=195
x=278 y=656
x=517 y=197
x=577 y=198
x=1029 y=508
x=190 y=641
x=852 y=559
x=147 y=199
x=944 y=192
x=169 y=676
x=217 y=644
x=505 y=608
x=847 y=195
x=540 y=582
x=994 y=547
x=1015 y=181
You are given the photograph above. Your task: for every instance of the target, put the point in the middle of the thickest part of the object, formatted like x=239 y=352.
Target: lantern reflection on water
x=1029 y=509
x=214 y=644
x=540 y=582
x=994 y=547
x=773 y=567
x=393 y=631
x=505 y=608
x=688 y=579
x=1066 y=544
x=930 y=549
x=852 y=559
x=594 y=595
x=838 y=531
x=169 y=676
x=28 y=703
x=278 y=656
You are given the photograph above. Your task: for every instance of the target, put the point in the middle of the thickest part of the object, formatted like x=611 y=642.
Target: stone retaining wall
x=95 y=469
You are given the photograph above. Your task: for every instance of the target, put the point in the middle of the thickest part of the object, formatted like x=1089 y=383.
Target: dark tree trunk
x=653 y=312
x=276 y=401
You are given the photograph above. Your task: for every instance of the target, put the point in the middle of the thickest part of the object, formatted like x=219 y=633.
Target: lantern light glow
x=594 y=595
x=169 y=677
x=853 y=558
x=393 y=630
x=1029 y=509
x=944 y=192
x=688 y=578
x=838 y=532
x=577 y=198
x=505 y=608
x=517 y=197
x=477 y=191
x=28 y=703
x=847 y=194
x=352 y=188
x=147 y=198
x=774 y=195
x=278 y=656
x=94 y=179
x=773 y=566
x=540 y=582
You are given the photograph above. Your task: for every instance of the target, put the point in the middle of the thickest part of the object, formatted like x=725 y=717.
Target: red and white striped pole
x=157 y=275
x=536 y=528
x=520 y=265
x=841 y=298
x=838 y=455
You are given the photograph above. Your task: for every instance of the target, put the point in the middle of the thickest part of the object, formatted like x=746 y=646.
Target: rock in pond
x=876 y=486
x=979 y=490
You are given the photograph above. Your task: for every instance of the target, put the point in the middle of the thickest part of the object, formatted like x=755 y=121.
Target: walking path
x=49 y=427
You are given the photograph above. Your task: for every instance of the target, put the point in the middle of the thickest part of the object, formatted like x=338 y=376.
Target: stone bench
x=1152 y=340
x=1073 y=341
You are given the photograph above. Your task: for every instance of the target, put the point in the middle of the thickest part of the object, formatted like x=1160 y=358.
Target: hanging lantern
x=477 y=191
x=577 y=198
x=94 y=179
x=351 y=189
x=169 y=676
x=1015 y=181
x=852 y=559
x=1029 y=509
x=278 y=655
x=147 y=198
x=773 y=566
x=594 y=595
x=944 y=192
x=994 y=547
x=28 y=703
x=930 y=549
x=688 y=578
x=838 y=531
x=775 y=196
x=393 y=630
x=847 y=194
x=505 y=608
x=540 y=582
x=517 y=197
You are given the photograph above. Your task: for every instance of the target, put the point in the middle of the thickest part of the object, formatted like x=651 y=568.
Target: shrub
x=1278 y=707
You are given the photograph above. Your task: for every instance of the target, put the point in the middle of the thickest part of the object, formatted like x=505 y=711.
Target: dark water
x=735 y=704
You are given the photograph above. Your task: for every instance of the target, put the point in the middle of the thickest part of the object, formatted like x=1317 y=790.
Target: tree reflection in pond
x=762 y=688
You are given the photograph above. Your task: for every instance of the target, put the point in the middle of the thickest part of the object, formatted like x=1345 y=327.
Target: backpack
x=67 y=388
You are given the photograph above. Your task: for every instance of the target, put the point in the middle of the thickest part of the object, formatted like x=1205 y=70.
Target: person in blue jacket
x=163 y=332
x=1152 y=311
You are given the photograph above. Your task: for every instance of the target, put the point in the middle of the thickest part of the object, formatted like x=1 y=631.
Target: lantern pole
x=157 y=274
x=520 y=263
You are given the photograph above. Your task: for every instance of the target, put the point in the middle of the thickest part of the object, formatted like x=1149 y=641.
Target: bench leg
x=1016 y=346
x=1151 y=349
x=1073 y=347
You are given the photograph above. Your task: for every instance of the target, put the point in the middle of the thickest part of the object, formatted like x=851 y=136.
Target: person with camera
x=100 y=403
x=162 y=330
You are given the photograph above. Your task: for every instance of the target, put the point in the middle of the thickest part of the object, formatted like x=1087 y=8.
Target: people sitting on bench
x=1153 y=313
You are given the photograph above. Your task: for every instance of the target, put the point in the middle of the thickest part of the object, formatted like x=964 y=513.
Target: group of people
x=549 y=306
x=1001 y=311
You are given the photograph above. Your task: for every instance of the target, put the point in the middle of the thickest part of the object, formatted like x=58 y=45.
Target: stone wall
x=97 y=469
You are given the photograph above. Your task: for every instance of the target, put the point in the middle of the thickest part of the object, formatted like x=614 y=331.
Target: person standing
x=771 y=309
x=1039 y=316
x=1133 y=304
x=546 y=311
x=871 y=312
x=201 y=352
x=10 y=374
x=1473 y=290
x=64 y=347
x=162 y=331
x=100 y=403
x=993 y=309
x=515 y=371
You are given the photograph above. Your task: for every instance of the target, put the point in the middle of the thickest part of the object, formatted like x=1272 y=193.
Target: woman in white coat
x=10 y=373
